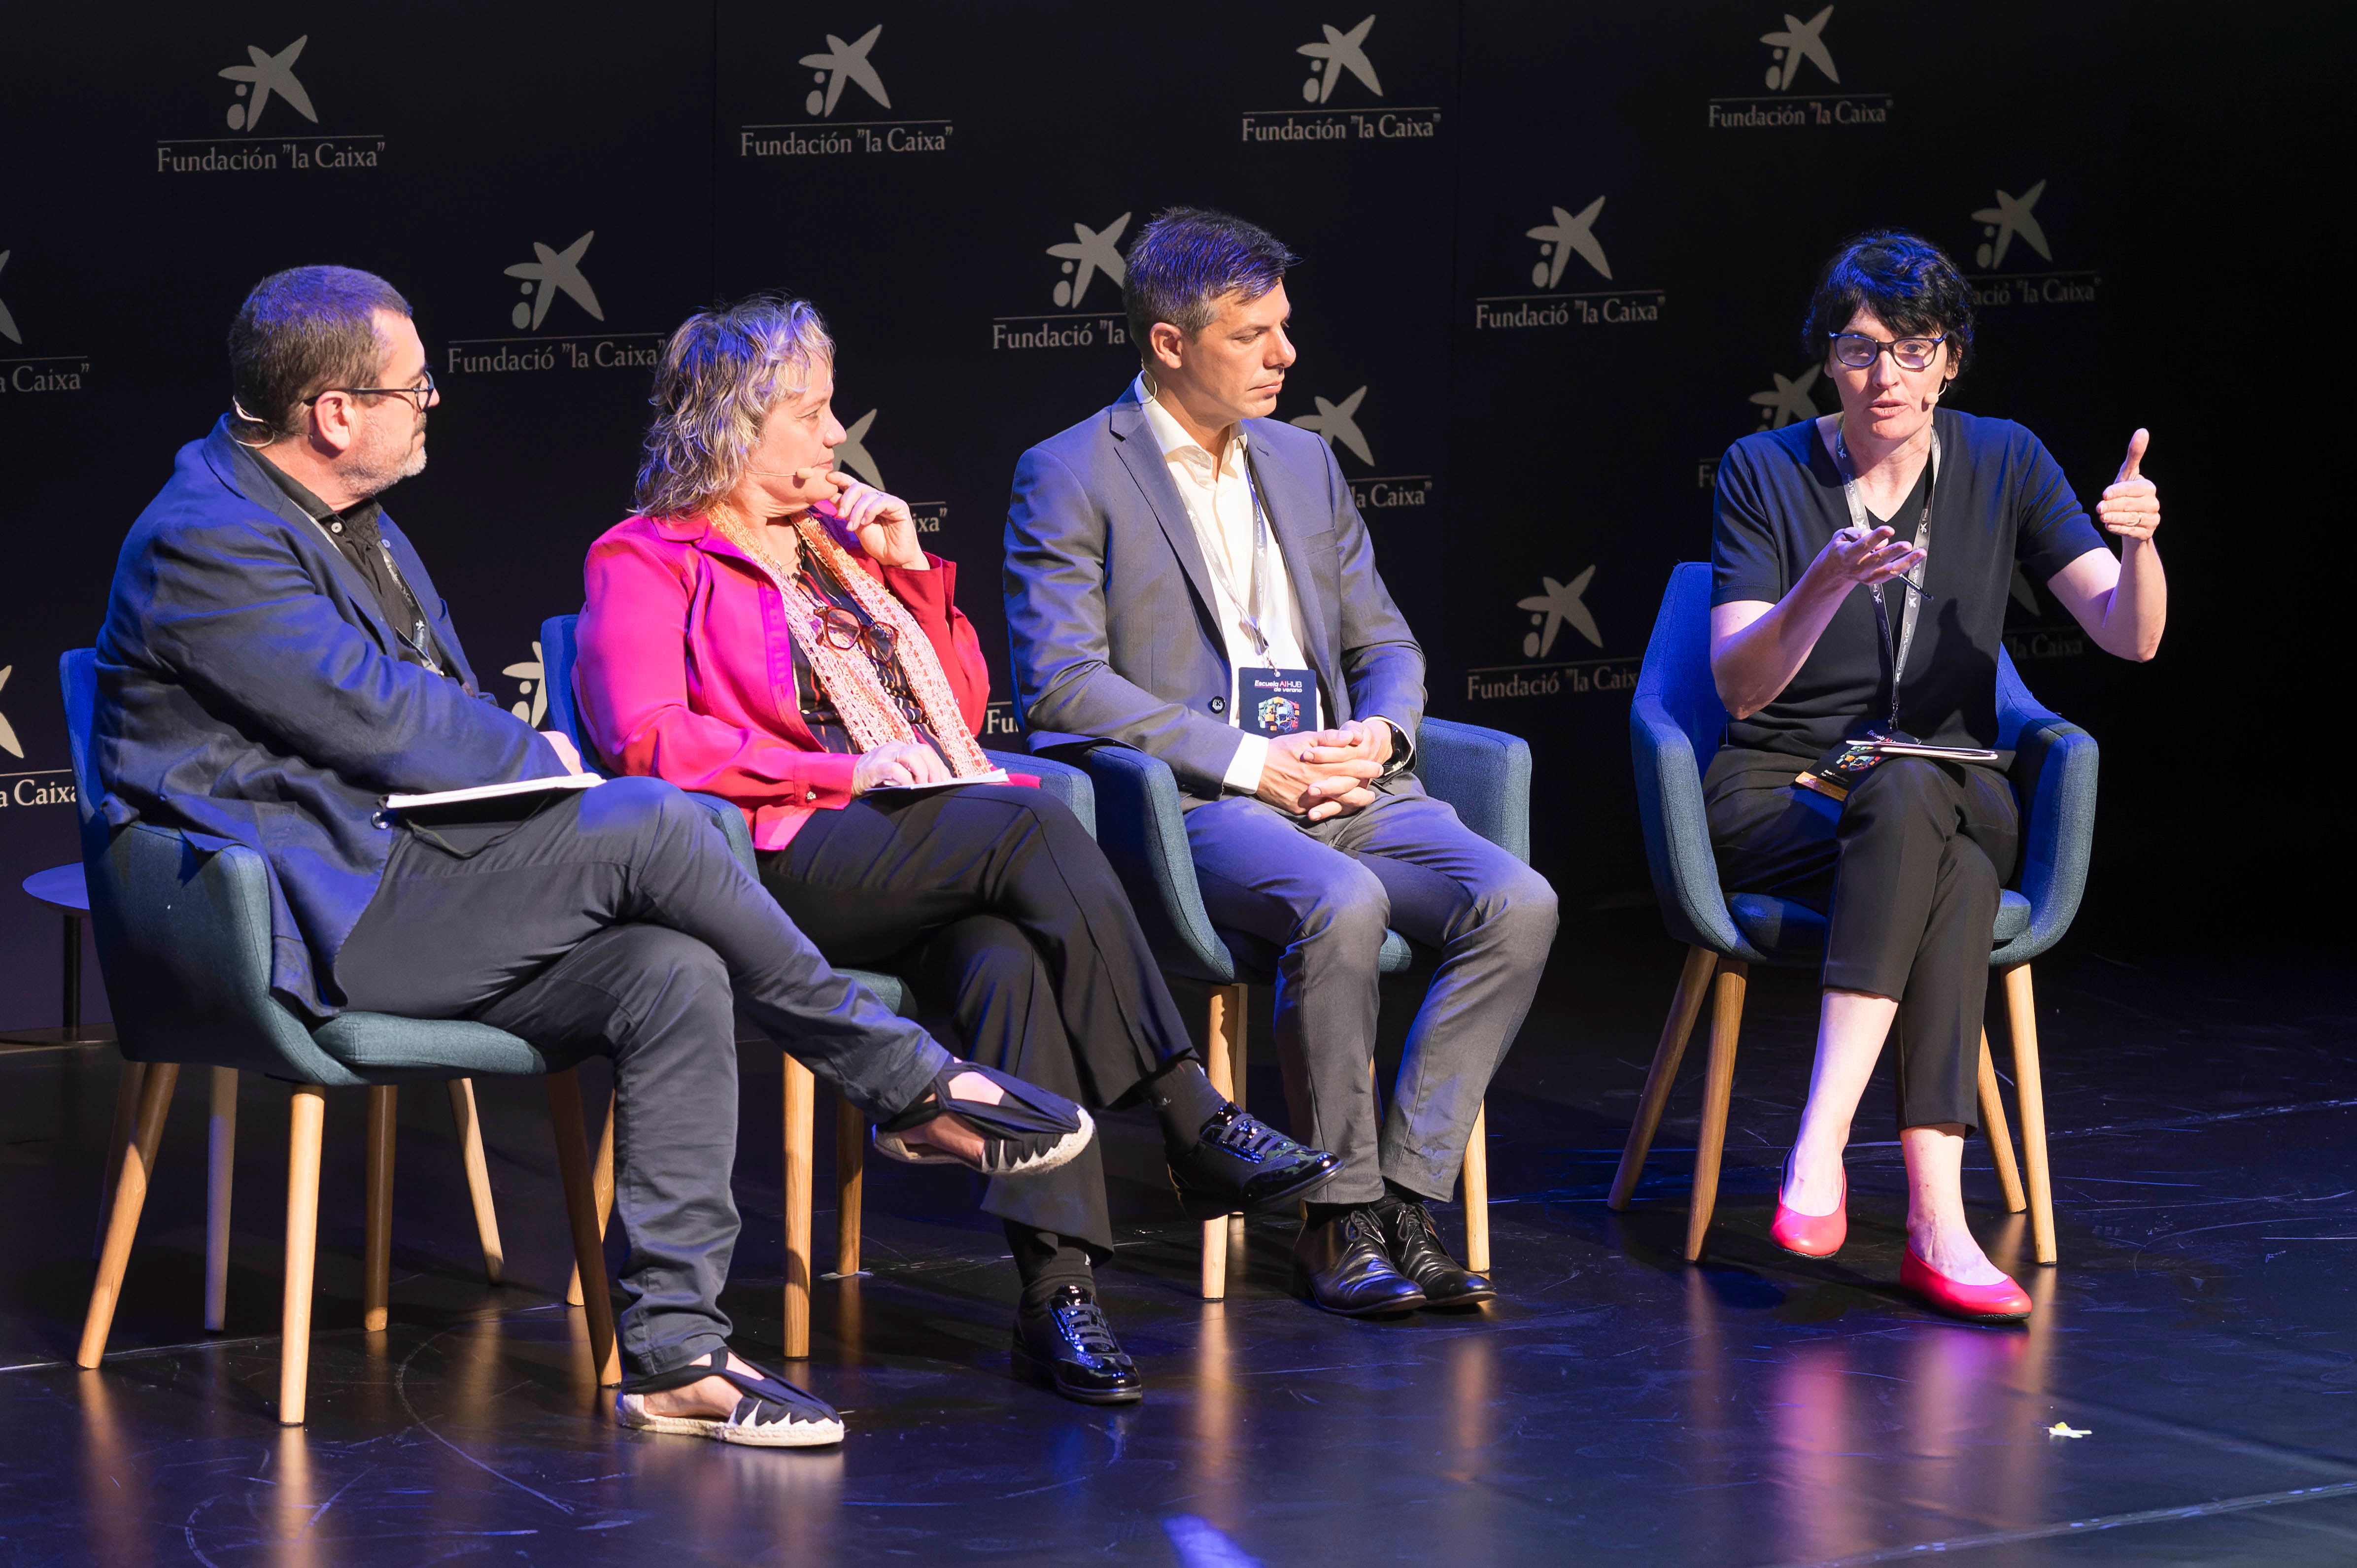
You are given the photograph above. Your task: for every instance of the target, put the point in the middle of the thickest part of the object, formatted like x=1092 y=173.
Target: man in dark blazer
x=1189 y=576
x=276 y=658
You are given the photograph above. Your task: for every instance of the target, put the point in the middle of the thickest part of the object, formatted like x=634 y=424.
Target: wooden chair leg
x=1685 y=1005
x=2030 y=1094
x=850 y=1180
x=1999 y=1135
x=801 y=1104
x=1223 y=1036
x=306 y=1122
x=1718 y=1088
x=469 y=1127
x=581 y=1215
x=138 y=1161
x=127 y=1118
x=1476 y=1194
x=220 y=1164
x=601 y=1190
x=376 y=1249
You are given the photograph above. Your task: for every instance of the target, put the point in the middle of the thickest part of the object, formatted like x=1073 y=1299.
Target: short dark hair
x=1188 y=258
x=299 y=333
x=1904 y=279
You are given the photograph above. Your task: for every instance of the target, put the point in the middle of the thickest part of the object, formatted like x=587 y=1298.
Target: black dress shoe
x=1068 y=1344
x=1349 y=1271
x=1415 y=1249
x=1239 y=1165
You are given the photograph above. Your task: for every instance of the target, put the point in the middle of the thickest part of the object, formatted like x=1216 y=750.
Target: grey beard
x=373 y=480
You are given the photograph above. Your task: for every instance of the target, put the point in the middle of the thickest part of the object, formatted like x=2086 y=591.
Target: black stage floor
x=1615 y=1405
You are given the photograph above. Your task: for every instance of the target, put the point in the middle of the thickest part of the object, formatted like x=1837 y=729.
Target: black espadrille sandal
x=773 y=1413
x=1028 y=1132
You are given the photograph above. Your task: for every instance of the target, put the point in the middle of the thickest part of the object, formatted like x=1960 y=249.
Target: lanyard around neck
x=1894 y=653
x=1248 y=610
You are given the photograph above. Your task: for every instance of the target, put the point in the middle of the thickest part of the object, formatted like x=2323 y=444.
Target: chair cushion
x=378 y=1045
x=1794 y=933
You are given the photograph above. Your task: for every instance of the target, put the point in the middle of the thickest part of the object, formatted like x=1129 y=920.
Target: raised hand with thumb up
x=2130 y=506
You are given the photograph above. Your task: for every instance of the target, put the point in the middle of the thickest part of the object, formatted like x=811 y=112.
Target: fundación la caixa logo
x=833 y=69
x=1569 y=234
x=1547 y=612
x=1342 y=56
x=2009 y=227
x=1338 y=422
x=265 y=80
x=35 y=373
x=555 y=285
x=1088 y=255
x=1804 y=85
x=47 y=787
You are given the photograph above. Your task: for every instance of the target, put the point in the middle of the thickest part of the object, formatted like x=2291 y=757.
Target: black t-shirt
x=2000 y=498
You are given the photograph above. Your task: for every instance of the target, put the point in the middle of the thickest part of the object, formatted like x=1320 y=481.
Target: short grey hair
x=302 y=332
x=722 y=372
x=1186 y=260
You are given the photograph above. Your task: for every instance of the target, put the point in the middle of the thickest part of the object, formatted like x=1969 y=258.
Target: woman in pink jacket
x=769 y=629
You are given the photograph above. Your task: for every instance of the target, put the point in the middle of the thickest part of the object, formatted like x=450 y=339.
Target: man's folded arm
x=233 y=615
x=1056 y=625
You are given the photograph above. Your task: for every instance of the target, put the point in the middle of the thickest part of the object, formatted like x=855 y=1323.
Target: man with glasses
x=276 y=659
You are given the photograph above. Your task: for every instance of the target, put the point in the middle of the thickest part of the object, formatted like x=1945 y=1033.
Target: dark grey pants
x=1906 y=873
x=1322 y=895
x=616 y=923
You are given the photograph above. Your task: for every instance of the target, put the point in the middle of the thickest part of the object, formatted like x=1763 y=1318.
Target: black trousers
x=616 y=923
x=994 y=897
x=1906 y=873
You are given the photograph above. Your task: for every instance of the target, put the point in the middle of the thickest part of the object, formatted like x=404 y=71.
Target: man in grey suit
x=1187 y=575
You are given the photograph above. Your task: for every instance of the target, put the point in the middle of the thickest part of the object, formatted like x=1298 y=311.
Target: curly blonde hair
x=722 y=372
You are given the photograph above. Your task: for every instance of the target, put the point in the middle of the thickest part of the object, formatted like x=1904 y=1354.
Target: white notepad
x=995 y=776
x=490 y=792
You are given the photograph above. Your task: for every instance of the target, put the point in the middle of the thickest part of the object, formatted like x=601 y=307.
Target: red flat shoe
x=1810 y=1235
x=2004 y=1302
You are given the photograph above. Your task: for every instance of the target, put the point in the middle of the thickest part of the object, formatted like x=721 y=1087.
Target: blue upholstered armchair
x=1675 y=725
x=184 y=944
x=1484 y=773
x=559 y=651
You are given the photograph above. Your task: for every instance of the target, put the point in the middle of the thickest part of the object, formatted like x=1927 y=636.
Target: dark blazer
x=249 y=692
x=1109 y=605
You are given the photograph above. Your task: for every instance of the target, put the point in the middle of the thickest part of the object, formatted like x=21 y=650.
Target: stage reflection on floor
x=2186 y=1392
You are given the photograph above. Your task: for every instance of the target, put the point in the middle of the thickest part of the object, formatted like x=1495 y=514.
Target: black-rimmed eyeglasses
x=421 y=394
x=1858 y=351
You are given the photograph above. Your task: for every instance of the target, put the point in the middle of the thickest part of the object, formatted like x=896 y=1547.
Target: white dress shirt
x=1218 y=497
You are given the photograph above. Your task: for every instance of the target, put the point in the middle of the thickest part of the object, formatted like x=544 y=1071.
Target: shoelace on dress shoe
x=1414 y=1220
x=1245 y=1136
x=1085 y=1321
x=1361 y=1226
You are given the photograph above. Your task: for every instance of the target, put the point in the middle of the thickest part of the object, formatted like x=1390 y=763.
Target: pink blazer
x=686 y=670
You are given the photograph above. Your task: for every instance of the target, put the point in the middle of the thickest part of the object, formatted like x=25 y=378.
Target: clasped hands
x=1326 y=773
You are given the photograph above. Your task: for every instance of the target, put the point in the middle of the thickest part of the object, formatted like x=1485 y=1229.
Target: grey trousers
x=1322 y=895
x=614 y=922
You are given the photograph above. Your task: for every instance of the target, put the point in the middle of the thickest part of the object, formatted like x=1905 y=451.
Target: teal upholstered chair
x=1675 y=724
x=559 y=651
x=1484 y=773
x=184 y=945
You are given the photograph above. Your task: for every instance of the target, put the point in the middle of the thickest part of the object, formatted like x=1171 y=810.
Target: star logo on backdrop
x=532 y=687
x=1091 y=252
x=1566 y=234
x=2009 y=219
x=844 y=62
x=1340 y=52
x=269 y=73
x=1338 y=423
x=1559 y=607
x=7 y=322
x=555 y=270
x=853 y=453
x=1798 y=43
x=1788 y=400
x=8 y=742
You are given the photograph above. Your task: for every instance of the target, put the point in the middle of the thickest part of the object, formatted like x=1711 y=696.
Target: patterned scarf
x=848 y=677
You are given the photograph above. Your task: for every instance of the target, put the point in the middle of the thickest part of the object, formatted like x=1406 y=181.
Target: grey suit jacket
x=1109 y=605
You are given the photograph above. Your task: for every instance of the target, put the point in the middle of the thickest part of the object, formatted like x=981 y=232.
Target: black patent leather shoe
x=1416 y=1252
x=1348 y=1270
x=1239 y=1165
x=1067 y=1345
